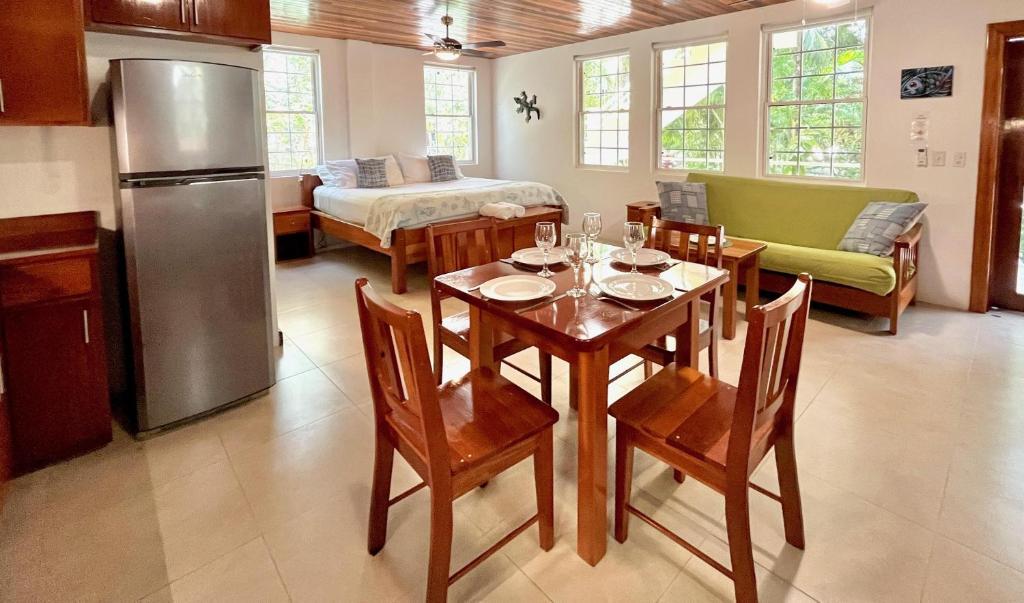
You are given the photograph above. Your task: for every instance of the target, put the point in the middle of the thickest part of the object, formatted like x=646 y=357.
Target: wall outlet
x=939 y=158
x=922 y=158
x=960 y=159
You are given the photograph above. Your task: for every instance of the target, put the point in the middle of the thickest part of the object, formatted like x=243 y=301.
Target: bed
x=392 y=221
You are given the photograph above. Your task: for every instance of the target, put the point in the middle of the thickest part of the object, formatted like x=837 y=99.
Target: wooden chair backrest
x=401 y=377
x=459 y=245
x=681 y=246
x=771 y=366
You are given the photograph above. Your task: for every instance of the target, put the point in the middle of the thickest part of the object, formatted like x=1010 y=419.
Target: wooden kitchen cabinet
x=245 y=22
x=52 y=345
x=162 y=14
x=43 y=78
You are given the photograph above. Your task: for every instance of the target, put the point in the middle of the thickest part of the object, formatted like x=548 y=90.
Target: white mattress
x=353 y=204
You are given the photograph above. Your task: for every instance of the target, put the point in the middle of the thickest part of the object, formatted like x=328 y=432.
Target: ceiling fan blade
x=427 y=54
x=491 y=44
x=433 y=37
x=475 y=53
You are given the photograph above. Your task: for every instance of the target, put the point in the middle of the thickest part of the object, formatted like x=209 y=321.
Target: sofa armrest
x=904 y=255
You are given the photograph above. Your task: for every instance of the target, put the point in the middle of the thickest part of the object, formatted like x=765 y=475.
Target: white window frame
x=578 y=85
x=317 y=107
x=658 y=100
x=767 y=104
x=473 y=134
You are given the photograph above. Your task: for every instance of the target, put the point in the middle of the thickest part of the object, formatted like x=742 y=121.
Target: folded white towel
x=503 y=210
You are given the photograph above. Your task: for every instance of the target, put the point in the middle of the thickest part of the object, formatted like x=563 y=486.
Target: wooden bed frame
x=409 y=245
x=889 y=306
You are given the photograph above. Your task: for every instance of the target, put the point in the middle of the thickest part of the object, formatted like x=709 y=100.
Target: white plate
x=534 y=256
x=711 y=240
x=517 y=287
x=636 y=287
x=644 y=257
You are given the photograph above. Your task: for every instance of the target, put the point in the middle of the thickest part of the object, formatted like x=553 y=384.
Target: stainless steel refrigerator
x=194 y=220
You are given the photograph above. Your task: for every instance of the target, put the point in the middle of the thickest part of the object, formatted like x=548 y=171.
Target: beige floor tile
x=290 y=360
x=350 y=376
x=244 y=575
x=957 y=573
x=182 y=451
x=198 y=529
x=326 y=346
x=290 y=404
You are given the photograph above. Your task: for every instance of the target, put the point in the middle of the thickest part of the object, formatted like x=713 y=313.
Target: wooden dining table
x=589 y=333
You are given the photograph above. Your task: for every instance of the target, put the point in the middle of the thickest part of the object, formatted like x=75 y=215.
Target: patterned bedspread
x=411 y=210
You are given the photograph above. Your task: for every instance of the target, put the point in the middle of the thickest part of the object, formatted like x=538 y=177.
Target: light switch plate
x=922 y=158
x=960 y=159
x=939 y=158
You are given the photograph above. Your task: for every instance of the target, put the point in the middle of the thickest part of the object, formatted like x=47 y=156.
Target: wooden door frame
x=999 y=35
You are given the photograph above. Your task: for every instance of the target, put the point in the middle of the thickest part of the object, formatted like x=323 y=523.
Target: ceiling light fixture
x=447 y=54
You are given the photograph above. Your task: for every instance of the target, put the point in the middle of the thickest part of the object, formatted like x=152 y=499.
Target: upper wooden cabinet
x=245 y=22
x=42 y=63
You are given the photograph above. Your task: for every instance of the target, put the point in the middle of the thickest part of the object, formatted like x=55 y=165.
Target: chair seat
x=686 y=409
x=455 y=334
x=485 y=414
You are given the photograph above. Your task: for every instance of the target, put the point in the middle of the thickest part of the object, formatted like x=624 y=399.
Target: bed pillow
x=373 y=173
x=340 y=173
x=879 y=224
x=395 y=177
x=442 y=168
x=684 y=202
x=415 y=168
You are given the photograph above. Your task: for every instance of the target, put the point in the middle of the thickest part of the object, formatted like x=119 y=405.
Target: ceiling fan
x=449 y=49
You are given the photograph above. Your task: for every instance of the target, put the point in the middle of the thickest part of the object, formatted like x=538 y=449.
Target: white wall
x=373 y=104
x=905 y=33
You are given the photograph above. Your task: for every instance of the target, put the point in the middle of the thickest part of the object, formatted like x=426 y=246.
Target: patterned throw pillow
x=684 y=202
x=442 y=168
x=372 y=173
x=879 y=224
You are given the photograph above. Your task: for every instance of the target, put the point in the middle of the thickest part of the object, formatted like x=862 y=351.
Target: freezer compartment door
x=198 y=277
x=181 y=116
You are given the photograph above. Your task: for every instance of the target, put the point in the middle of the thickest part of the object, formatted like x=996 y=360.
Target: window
x=449 y=95
x=604 y=111
x=291 y=79
x=817 y=101
x=691 y=102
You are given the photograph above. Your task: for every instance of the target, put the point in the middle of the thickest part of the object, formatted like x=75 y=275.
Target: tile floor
x=910 y=452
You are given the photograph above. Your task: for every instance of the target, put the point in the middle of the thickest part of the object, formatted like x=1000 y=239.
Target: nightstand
x=293 y=235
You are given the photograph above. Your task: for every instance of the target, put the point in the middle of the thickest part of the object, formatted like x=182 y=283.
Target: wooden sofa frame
x=409 y=245
x=889 y=306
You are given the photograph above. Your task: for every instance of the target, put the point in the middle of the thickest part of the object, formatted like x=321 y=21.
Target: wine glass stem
x=634 y=262
x=546 y=261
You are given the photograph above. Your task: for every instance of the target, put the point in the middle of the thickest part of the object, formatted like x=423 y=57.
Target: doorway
x=997 y=278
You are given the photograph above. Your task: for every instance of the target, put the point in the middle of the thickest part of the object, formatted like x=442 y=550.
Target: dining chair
x=456 y=436
x=700 y=244
x=456 y=246
x=719 y=434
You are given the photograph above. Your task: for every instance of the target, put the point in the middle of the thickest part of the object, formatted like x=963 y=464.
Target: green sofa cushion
x=794 y=213
x=859 y=270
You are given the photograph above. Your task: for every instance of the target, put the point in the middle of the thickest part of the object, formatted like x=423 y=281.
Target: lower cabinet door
x=55 y=367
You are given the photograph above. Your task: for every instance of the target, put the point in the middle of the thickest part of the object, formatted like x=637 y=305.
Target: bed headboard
x=309 y=182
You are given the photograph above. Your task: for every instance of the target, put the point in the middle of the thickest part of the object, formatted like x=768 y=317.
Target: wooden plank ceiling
x=524 y=25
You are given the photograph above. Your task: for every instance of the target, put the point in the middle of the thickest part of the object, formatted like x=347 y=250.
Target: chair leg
x=789 y=490
x=544 y=481
x=713 y=355
x=623 y=484
x=380 y=494
x=438 y=357
x=737 y=521
x=678 y=475
x=545 y=377
x=648 y=369
x=439 y=564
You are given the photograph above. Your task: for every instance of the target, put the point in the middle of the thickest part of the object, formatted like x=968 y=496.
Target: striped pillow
x=442 y=168
x=372 y=173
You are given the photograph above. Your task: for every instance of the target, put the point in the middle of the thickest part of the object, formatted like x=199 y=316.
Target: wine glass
x=634 y=237
x=592 y=228
x=576 y=249
x=545 y=237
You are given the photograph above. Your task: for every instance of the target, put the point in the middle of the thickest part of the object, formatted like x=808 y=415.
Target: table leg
x=481 y=340
x=592 y=471
x=753 y=284
x=688 y=337
x=729 y=303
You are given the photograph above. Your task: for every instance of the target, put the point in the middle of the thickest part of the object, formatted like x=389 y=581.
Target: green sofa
x=803 y=223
